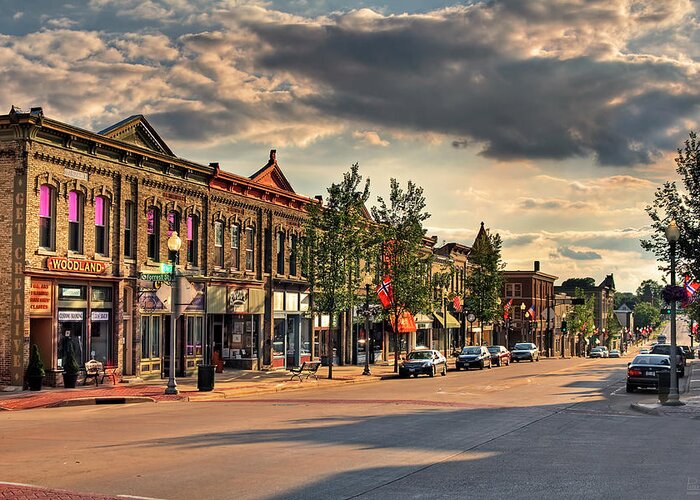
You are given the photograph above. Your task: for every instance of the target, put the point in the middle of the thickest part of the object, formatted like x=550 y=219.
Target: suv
x=476 y=356
x=525 y=350
x=680 y=356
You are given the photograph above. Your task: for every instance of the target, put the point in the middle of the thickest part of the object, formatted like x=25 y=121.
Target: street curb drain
x=107 y=400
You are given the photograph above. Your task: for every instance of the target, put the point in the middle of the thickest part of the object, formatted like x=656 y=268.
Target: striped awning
x=451 y=320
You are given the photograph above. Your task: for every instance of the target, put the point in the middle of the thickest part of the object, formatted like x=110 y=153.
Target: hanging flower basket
x=672 y=293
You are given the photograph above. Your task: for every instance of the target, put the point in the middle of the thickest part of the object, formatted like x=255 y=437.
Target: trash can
x=205 y=378
x=664 y=385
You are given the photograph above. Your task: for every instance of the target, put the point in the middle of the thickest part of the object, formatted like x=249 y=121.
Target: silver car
x=525 y=351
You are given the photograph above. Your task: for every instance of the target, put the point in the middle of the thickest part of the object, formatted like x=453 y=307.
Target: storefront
x=155 y=319
x=234 y=315
x=446 y=332
x=72 y=311
x=291 y=340
x=424 y=331
x=325 y=331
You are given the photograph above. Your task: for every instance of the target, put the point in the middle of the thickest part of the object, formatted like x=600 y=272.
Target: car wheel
x=481 y=366
x=532 y=360
x=630 y=388
x=457 y=367
x=498 y=363
x=432 y=372
x=444 y=370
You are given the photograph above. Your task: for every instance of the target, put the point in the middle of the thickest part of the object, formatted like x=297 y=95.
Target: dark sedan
x=499 y=355
x=643 y=370
x=428 y=362
x=680 y=356
x=473 y=356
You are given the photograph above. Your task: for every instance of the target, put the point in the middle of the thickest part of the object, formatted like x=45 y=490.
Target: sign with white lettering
x=40 y=298
x=75 y=174
x=76 y=265
x=70 y=316
x=99 y=316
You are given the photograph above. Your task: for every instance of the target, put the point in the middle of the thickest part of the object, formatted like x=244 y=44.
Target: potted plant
x=35 y=369
x=71 y=368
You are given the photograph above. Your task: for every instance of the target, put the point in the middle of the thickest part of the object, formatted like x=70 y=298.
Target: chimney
x=319 y=199
x=537 y=265
x=214 y=164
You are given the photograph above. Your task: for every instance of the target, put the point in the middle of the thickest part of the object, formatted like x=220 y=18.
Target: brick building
x=86 y=219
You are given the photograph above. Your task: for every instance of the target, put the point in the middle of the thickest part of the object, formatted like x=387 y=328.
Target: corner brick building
x=85 y=222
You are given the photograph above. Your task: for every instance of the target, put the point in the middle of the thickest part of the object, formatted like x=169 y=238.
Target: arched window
x=47 y=217
x=293 y=255
x=235 y=246
x=153 y=231
x=128 y=229
x=173 y=222
x=280 y=252
x=250 y=249
x=75 y=221
x=102 y=225
x=192 y=240
x=219 y=243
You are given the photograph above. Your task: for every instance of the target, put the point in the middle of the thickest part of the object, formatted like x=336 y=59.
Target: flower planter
x=34 y=383
x=69 y=380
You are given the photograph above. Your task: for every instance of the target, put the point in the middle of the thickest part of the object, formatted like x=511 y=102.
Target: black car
x=643 y=370
x=473 y=356
x=425 y=361
x=689 y=354
x=680 y=356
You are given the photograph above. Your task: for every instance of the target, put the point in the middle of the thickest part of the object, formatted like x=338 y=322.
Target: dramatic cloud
x=369 y=138
x=553 y=204
x=579 y=255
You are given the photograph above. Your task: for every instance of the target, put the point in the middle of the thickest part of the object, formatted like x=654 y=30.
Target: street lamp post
x=526 y=332
x=366 y=371
x=174 y=244
x=673 y=234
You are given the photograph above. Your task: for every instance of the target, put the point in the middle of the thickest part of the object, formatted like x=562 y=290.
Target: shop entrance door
x=293 y=340
x=72 y=332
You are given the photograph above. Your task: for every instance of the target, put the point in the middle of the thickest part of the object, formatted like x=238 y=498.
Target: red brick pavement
x=20 y=491
x=41 y=399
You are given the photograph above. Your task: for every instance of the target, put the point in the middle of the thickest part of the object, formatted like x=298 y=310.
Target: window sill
x=102 y=258
x=76 y=255
x=46 y=251
x=128 y=260
x=190 y=267
x=152 y=263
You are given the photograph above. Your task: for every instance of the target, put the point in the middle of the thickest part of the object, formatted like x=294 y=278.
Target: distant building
x=604 y=298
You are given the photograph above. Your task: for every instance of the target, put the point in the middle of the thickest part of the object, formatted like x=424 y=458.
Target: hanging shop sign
x=70 y=315
x=238 y=300
x=76 y=265
x=40 y=298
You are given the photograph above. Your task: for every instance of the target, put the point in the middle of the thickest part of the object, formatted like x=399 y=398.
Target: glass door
x=293 y=340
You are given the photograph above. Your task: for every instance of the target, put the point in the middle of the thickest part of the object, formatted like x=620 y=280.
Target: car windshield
x=650 y=360
x=522 y=347
x=494 y=349
x=471 y=350
x=421 y=355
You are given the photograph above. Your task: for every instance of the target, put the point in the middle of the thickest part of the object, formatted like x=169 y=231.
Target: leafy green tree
x=681 y=204
x=613 y=328
x=484 y=283
x=650 y=291
x=579 y=283
x=337 y=236
x=580 y=318
x=404 y=258
x=646 y=314
x=628 y=298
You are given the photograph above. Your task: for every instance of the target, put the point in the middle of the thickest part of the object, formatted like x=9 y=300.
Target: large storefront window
x=195 y=333
x=240 y=337
x=100 y=336
x=150 y=337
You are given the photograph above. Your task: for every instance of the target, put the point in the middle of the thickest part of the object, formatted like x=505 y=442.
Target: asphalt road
x=553 y=429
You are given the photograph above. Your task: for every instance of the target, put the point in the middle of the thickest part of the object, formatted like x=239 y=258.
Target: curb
x=108 y=400
x=647 y=411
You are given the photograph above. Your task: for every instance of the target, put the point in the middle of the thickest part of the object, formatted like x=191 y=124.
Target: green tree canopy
x=484 y=283
x=579 y=283
x=580 y=318
x=650 y=291
x=646 y=314
x=628 y=298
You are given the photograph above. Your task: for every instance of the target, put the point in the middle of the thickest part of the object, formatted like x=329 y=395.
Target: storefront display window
x=240 y=337
x=278 y=339
x=100 y=336
x=195 y=330
x=150 y=337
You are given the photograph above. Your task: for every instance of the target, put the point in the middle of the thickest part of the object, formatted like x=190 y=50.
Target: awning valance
x=451 y=320
x=407 y=323
x=423 y=321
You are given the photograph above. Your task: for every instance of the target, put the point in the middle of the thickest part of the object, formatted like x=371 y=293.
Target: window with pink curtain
x=99 y=211
x=73 y=206
x=46 y=217
x=45 y=201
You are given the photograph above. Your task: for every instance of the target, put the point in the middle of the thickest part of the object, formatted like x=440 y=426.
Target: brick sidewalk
x=21 y=491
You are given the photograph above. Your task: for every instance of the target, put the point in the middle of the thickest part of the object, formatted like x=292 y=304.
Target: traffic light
x=563 y=326
x=665 y=310
x=578 y=301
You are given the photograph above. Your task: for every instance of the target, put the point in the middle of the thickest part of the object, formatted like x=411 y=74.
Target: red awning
x=407 y=323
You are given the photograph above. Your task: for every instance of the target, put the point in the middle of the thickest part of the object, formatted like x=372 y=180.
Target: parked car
x=661 y=339
x=499 y=355
x=525 y=351
x=615 y=353
x=599 y=352
x=643 y=370
x=644 y=351
x=689 y=354
x=426 y=361
x=665 y=349
x=473 y=356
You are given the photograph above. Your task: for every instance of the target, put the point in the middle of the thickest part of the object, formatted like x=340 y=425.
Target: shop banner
x=76 y=265
x=99 y=316
x=40 y=298
x=70 y=316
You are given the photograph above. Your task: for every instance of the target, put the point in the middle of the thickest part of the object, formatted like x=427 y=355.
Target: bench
x=306 y=370
x=111 y=372
x=93 y=369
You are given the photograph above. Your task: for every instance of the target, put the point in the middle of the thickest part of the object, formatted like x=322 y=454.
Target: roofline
x=530 y=273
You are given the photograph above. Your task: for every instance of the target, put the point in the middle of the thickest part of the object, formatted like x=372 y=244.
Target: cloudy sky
x=551 y=121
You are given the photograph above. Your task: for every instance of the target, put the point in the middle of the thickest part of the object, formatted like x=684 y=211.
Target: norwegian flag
x=506 y=309
x=457 y=302
x=691 y=288
x=385 y=292
x=531 y=312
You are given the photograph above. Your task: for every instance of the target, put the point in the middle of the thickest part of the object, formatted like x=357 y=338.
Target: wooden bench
x=93 y=369
x=306 y=370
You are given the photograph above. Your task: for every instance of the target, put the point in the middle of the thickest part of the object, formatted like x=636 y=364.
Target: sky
x=553 y=122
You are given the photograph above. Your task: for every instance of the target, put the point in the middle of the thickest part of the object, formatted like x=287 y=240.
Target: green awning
x=451 y=320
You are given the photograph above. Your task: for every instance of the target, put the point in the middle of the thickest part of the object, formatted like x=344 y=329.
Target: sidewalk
x=230 y=384
x=690 y=396
x=24 y=491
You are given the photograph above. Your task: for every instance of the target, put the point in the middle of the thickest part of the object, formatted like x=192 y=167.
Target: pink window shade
x=150 y=218
x=73 y=207
x=190 y=227
x=171 y=222
x=45 y=201
x=99 y=211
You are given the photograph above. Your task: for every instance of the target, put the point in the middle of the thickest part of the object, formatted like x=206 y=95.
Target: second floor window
x=236 y=246
x=219 y=243
x=102 y=225
x=173 y=222
x=514 y=290
x=47 y=217
x=75 y=221
x=280 y=252
x=293 y=255
x=128 y=229
x=304 y=257
x=249 y=249
x=192 y=240
x=153 y=231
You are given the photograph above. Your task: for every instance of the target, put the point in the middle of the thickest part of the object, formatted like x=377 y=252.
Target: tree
x=404 y=259
x=583 y=283
x=646 y=314
x=625 y=298
x=337 y=235
x=580 y=318
x=682 y=205
x=612 y=327
x=484 y=284
x=650 y=291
